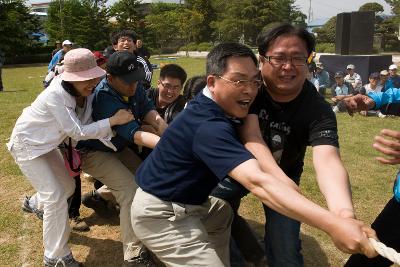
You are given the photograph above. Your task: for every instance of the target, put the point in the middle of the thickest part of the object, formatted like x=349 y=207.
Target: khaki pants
x=183 y=235
x=116 y=171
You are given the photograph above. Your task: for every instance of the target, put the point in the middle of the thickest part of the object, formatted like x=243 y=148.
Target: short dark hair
x=193 y=86
x=173 y=71
x=122 y=33
x=216 y=59
x=265 y=39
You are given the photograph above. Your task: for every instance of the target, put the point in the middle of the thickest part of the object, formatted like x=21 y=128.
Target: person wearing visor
x=62 y=110
x=115 y=167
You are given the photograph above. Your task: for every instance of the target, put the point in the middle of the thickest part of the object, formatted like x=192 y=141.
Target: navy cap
x=374 y=75
x=125 y=66
x=339 y=74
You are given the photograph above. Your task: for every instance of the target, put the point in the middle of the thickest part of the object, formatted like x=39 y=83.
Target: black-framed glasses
x=243 y=83
x=171 y=87
x=281 y=60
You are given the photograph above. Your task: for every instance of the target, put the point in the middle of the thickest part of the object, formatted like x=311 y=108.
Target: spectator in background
x=372 y=86
x=340 y=90
x=142 y=51
x=384 y=75
x=59 y=56
x=58 y=48
x=193 y=86
x=2 y=60
x=322 y=77
x=394 y=78
x=353 y=78
x=126 y=40
x=101 y=60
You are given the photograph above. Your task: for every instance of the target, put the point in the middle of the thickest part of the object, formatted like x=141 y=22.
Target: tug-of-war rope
x=385 y=251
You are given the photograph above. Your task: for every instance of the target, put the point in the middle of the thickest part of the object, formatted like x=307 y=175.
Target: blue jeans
x=282 y=242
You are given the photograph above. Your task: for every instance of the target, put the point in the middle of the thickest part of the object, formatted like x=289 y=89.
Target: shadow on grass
x=311 y=249
x=102 y=252
x=94 y=219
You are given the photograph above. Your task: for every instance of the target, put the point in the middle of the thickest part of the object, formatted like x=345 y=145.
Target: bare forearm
x=286 y=200
x=146 y=139
x=333 y=180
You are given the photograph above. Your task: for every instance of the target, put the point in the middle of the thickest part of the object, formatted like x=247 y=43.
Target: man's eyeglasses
x=281 y=60
x=243 y=83
x=171 y=87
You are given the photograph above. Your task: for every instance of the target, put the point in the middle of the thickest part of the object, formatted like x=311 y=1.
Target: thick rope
x=385 y=251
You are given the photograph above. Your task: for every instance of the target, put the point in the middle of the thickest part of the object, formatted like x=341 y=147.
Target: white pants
x=49 y=176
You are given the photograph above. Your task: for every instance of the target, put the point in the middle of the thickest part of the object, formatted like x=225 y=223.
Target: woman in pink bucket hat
x=62 y=110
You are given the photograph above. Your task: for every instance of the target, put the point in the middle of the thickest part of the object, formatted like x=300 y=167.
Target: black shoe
x=27 y=208
x=99 y=205
x=140 y=261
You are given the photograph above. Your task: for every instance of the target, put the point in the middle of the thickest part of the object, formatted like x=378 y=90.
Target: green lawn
x=20 y=234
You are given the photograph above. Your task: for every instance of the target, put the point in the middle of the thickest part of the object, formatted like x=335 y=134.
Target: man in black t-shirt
x=288 y=115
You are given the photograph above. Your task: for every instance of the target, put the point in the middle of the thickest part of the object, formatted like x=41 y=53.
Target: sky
x=330 y=8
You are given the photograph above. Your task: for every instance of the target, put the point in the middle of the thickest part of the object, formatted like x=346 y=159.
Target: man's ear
x=115 y=47
x=211 y=82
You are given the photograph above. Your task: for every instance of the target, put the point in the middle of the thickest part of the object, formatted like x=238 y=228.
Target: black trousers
x=75 y=200
x=1 y=81
x=387 y=227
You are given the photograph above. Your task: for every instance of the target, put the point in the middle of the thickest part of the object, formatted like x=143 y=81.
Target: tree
x=246 y=19
x=84 y=22
x=327 y=33
x=205 y=8
x=162 y=28
x=395 y=5
x=371 y=7
x=17 y=25
x=189 y=25
x=127 y=13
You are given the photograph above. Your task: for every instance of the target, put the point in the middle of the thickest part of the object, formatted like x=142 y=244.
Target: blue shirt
x=55 y=59
x=196 y=152
x=390 y=96
x=106 y=103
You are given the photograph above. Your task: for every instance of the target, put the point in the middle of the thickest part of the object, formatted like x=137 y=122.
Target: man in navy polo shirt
x=115 y=167
x=172 y=213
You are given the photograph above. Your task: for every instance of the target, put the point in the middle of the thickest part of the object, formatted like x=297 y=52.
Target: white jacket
x=50 y=119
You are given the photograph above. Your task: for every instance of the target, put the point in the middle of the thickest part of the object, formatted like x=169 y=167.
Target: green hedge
x=28 y=59
x=197 y=47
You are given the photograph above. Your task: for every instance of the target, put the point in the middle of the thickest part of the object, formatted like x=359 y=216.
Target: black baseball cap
x=125 y=66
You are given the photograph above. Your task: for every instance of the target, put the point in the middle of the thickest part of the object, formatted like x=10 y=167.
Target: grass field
x=20 y=233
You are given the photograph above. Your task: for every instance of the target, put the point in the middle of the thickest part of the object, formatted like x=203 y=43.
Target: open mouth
x=244 y=103
x=287 y=78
